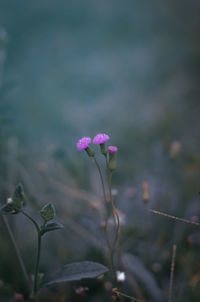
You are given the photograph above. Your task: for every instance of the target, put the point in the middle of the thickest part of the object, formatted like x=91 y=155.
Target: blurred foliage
x=130 y=69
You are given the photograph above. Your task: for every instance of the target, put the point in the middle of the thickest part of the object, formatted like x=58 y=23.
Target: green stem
x=32 y=220
x=115 y=215
x=114 y=212
x=101 y=178
x=35 y=288
x=106 y=220
x=106 y=202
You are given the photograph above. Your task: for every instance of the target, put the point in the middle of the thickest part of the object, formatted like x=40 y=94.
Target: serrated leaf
x=48 y=212
x=8 y=209
x=77 y=271
x=18 y=197
x=51 y=227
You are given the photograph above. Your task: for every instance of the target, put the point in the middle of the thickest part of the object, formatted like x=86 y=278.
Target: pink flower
x=83 y=143
x=100 y=138
x=112 y=149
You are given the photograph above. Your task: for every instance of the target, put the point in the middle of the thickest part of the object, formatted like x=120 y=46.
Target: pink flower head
x=100 y=138
x=83 y=143
x=112 y=149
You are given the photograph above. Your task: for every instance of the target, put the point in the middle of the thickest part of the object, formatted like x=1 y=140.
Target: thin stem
x=101 y=178
x=111 y=198
x=106 y=219
x=114 y=211
x=118 y=293
x=106 y=202
x=117 y=240
x=174 y=217
x=32 y=220
x=35 y=288
x=115 y=214
x=172 y=273
x=18 y=254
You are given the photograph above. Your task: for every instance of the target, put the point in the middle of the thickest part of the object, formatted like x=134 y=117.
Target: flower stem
x=106 y=202
x=106 y=218
x=114 y=211
x=101 y=178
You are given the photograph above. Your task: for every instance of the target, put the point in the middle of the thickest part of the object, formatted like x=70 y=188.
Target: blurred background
x=130 y=69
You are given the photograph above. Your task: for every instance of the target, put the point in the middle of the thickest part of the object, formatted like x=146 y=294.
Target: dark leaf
x=51 y=227
x=18 y=196
x=77 y=271
x=48 y=212
x=8 y=209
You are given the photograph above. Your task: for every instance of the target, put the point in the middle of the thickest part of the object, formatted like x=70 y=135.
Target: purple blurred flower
x=83 y=143
x=112 y=149
x=195 y=219
x=100 y=138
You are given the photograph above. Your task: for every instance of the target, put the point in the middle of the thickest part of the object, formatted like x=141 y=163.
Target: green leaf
x=48 y=212
x=8 y=209
x=18 y=197
x=50 y=227
x=77 y=271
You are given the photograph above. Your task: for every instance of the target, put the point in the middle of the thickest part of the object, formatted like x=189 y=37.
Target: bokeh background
x=130 y=69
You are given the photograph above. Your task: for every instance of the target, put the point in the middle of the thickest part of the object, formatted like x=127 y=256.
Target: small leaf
x=18 y=197
x=77 y=271
x=50 y=227
x=8 y=209
x=48 y=212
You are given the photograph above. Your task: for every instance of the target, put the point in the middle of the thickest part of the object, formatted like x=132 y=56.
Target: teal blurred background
x=128 y=68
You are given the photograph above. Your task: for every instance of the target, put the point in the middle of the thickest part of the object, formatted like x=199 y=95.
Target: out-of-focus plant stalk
x=17 y=251
x=118 y=293
x=114 y=214
x=114 y=210
x=106 y=218
x=174 y=217
x=172 y=273
x=116 y=222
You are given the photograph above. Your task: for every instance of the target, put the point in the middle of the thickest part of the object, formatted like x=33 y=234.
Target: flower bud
x=112 y=164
